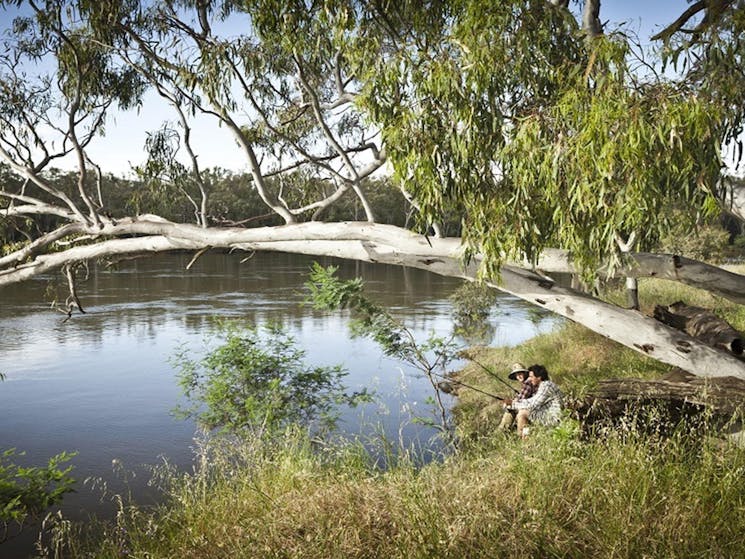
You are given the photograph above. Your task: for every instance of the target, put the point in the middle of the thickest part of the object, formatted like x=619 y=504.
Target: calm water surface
x=101 y=383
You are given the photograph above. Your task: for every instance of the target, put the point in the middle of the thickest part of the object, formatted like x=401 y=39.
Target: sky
x=122 y=147
x=645 y=16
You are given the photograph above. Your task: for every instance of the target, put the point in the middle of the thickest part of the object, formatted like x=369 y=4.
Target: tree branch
x=393 y=245
x=677 y=25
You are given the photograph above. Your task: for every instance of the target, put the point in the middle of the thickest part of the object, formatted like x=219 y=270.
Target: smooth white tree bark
x=393 y=245
x=663 y=266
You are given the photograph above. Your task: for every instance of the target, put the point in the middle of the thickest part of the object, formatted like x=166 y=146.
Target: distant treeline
x=232 y=201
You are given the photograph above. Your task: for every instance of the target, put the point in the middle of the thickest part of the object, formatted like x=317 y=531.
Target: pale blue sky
x=645 y=16
x=126 y=133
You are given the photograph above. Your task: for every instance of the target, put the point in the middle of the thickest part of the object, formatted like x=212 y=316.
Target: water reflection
x=101 y=383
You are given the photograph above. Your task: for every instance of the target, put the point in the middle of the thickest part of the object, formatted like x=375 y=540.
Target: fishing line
x=496 y=376
x=447 y=379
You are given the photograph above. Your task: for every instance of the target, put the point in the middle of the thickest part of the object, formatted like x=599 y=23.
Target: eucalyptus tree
x=535 y=125
x=706 y=43
x=281 y=90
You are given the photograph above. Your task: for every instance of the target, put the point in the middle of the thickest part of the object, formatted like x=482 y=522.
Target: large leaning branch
x=663 y=266
x=392 y=245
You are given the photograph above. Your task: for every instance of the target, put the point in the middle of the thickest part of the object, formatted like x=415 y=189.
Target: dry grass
x=625 y=496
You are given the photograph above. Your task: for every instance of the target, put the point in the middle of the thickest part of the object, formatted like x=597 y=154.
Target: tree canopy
x=534 y=125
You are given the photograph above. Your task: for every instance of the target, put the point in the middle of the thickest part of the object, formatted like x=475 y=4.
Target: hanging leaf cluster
x=542 y=136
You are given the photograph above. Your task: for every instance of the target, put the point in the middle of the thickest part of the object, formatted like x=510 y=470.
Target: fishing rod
x=447 y=379
x=496 y=376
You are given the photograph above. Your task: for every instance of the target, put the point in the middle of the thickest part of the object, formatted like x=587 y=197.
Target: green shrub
x=29 y=491
x=708 y=243
x=257 y=381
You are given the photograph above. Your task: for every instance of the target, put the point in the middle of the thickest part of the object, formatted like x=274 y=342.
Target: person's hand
x=507 y=403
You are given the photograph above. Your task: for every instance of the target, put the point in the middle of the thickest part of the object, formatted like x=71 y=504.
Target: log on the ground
x=702 y=324
x=683 y=394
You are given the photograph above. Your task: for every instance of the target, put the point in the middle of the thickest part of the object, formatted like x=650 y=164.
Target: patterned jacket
x=526 y=390
x=544 y=405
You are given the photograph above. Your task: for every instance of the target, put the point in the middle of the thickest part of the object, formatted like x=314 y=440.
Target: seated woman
x=520 y=374
x=544 y=407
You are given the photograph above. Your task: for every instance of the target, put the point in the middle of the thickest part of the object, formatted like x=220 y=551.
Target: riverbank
x=624 y=495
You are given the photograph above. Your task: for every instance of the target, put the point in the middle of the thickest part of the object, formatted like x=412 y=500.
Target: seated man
x=544 y=407
x=527 y=389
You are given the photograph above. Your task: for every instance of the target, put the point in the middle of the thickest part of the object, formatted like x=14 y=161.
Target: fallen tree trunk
x=660 y=405
x=722 y=395
x=702 y=324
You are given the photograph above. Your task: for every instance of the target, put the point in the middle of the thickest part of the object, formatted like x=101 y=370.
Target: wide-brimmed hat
x=517 y=368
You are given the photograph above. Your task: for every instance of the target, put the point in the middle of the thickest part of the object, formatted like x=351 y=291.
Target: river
x=101 y=383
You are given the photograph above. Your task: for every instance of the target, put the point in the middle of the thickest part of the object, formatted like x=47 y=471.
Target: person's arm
x=526 y=392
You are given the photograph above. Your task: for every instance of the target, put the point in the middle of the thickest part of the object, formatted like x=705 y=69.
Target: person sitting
x=543 y=407
x=527 y=389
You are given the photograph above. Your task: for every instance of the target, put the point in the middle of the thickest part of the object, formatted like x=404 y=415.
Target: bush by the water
x=256 y=380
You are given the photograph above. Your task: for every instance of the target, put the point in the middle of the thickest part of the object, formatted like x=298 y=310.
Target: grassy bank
x=576 y=357
x=625 y=495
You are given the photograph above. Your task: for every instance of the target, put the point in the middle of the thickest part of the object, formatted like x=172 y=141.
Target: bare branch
x=326 y=202
x=72 y=302
x=682 y=20
x=197 y=173
x=333 y=141
x=38 y=209
x=99 y=178
x=34 y=177
x=38 y=245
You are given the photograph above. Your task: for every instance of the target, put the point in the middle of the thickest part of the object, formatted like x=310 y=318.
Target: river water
x=101 y=383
